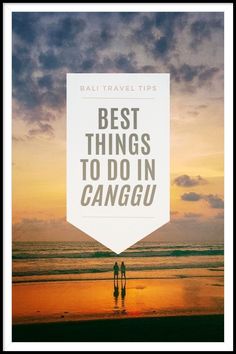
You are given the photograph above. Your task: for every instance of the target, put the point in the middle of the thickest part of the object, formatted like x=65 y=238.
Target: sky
x=46 y=46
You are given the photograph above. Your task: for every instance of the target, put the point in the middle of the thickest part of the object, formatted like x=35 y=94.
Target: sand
x=184 y=309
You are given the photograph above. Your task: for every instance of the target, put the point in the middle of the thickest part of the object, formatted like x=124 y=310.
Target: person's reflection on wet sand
x=116 y=293
x=123 y=294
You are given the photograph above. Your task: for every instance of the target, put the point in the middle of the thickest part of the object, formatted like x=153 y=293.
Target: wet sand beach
x=66 y=292
x=136 y=310
x=99 y=299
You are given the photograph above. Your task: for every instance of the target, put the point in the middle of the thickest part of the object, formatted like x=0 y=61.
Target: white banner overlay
x=118 y=176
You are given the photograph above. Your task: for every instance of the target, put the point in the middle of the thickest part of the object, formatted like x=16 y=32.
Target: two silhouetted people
x=117 y=269
x=116 y=291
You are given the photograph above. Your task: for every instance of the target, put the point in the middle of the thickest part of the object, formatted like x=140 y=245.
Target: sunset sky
x=46 y=46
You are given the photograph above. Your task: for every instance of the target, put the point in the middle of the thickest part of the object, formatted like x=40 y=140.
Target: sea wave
x=108 y=269
x=108 y=254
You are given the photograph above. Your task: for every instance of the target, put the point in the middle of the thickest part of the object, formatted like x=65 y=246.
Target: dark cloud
x=33 y=93
x=168 y=25
x=38 y=120
x=17 y=65
x=208 y=74
x=191 y=197
x=45 y=81
x=47 y=91
x=88 y=64
x=192 y=215
x=161 y=46
x=128 y=17
x=47 y=230
x=179 y=230
x=148 y=69
x=169 y=21
x=185 y=72
x=50 y=60
x=188 y=73
x=101 y=38
x=42 y=129
x=187 y=181
x=195 y=75
x=64 y=32
x=143 y=33
x=27 y=93
x=203 y=29
x=17 y=139
x=125 y=63
x=35 y=99
x=25 y=90
x=55 y=98
x=214 y=201
x=25 y=26
x=47 y=45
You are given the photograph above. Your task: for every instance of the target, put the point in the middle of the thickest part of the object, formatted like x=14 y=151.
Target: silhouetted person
x=123 y=270
x=116 y=271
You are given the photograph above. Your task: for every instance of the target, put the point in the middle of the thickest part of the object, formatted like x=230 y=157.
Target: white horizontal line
x=118 y=217
x=120 y=98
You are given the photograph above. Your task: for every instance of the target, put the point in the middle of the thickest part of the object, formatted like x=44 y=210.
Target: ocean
x=52 y=261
